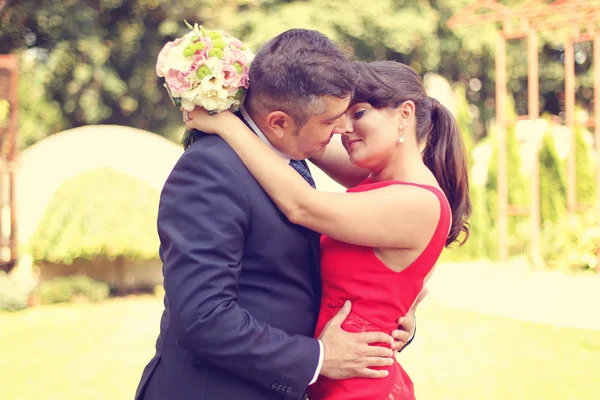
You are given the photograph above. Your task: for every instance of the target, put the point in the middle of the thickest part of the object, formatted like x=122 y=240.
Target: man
x=242 y=282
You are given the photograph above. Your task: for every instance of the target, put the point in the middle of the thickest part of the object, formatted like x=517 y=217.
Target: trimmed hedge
x=14 y=293
x=99 y=213
x=68 y=288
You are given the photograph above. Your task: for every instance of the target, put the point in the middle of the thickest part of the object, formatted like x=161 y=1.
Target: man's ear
x=280 y=123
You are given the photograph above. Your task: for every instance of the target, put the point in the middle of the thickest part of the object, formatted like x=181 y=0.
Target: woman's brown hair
x=389 y=84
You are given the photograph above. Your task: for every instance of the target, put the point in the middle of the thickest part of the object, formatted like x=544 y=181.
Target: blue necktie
x=302 y=168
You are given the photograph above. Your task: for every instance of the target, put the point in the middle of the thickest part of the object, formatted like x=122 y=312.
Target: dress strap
x=445 y=205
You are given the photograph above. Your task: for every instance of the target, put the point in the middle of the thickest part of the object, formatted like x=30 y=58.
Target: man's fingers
x=398 y=345
x=338 y=319
x=376 y=351
x=380 y=361
x=400 y=335
x=407 y=325
x=375 y=337
x=372 y=373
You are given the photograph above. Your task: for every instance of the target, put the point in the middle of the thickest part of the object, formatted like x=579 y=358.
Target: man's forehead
x=334 y=106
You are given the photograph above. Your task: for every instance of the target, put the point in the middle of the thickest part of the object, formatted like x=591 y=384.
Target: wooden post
x=501 y=95
x=8 y=91
x=597 y=127
x=570 y=119
x=534 y=114
x=13 y=140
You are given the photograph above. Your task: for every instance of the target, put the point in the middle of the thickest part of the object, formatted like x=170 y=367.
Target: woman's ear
x=280 y=123
x=406 y=113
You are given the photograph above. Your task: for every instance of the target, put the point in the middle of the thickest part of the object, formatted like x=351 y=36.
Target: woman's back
x=379 y=296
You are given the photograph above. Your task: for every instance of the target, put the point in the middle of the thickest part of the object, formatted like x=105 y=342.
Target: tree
x=93 y=62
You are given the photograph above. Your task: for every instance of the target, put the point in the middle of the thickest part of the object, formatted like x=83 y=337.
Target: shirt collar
x=261 y=135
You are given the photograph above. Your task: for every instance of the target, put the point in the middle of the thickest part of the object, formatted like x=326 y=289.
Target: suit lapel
x=312 y=236
x=315 y=245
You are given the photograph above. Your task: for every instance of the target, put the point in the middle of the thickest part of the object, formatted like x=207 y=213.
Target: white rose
x=213 y=96
x=216 y=66
x=215 y=103
x=189 y=99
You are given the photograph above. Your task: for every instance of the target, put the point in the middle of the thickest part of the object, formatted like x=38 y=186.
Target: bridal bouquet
x=206 y=68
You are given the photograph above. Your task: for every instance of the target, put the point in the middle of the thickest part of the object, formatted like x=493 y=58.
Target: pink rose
x=232 y=77
x=163 y=56
x=177 y=81
x=232 y=54
x=244 y=78
x=236 y=43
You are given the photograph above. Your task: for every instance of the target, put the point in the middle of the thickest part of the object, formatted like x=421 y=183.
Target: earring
x=401 y=140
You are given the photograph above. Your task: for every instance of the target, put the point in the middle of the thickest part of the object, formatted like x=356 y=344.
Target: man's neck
x=257 y=119
x=253 y=120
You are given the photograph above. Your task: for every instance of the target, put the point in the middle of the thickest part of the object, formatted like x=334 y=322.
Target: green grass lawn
x=87 y=351
x=471 y=356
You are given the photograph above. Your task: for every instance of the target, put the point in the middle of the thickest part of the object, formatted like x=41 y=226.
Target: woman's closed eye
x=359 y=114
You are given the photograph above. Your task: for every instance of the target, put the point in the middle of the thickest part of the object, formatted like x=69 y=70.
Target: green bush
x=553 y=187
x=572 y=243
x=482 y=242
x=14 y=293
x=519 y=193
x=66 y=289
x=99 y=213
x=464 y=120
x=567 y=244
x=584 y=167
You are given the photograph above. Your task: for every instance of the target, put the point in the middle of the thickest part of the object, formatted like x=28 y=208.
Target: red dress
x=379 y=297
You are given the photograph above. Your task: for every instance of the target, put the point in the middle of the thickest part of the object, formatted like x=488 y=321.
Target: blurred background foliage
x=92 y=62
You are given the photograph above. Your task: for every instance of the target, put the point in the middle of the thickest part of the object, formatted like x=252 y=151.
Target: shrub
x=553 y=188
x=481 y=244
x=572 y=243
x=519 y=193
x=66 y=289
x=584 y=167
x=483 y=241
x=14 y=293
x=98 y=213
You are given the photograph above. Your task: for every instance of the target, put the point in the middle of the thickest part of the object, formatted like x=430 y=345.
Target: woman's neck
x=406 y=166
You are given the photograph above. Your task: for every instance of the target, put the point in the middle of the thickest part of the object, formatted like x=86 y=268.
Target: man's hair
x=294 y=70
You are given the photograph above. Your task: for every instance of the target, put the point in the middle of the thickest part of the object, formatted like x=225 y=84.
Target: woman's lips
x=350 y=142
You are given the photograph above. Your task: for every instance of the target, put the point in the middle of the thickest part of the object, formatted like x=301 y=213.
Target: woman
x=383 y=237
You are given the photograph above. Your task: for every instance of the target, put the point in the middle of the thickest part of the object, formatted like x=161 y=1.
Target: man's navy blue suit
x=242 y=287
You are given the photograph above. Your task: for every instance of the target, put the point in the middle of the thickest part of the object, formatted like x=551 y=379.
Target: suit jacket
x=242 y=287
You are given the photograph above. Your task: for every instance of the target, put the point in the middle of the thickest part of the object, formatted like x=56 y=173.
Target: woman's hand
x=201 y=119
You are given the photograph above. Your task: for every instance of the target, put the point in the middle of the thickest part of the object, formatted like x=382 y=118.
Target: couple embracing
x=275 y=290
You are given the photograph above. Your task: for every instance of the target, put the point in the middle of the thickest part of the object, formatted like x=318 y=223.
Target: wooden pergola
x=525 y=21
x=8 y=153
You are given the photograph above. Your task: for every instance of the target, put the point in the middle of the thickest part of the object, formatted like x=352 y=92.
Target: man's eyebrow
x=337 y=116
